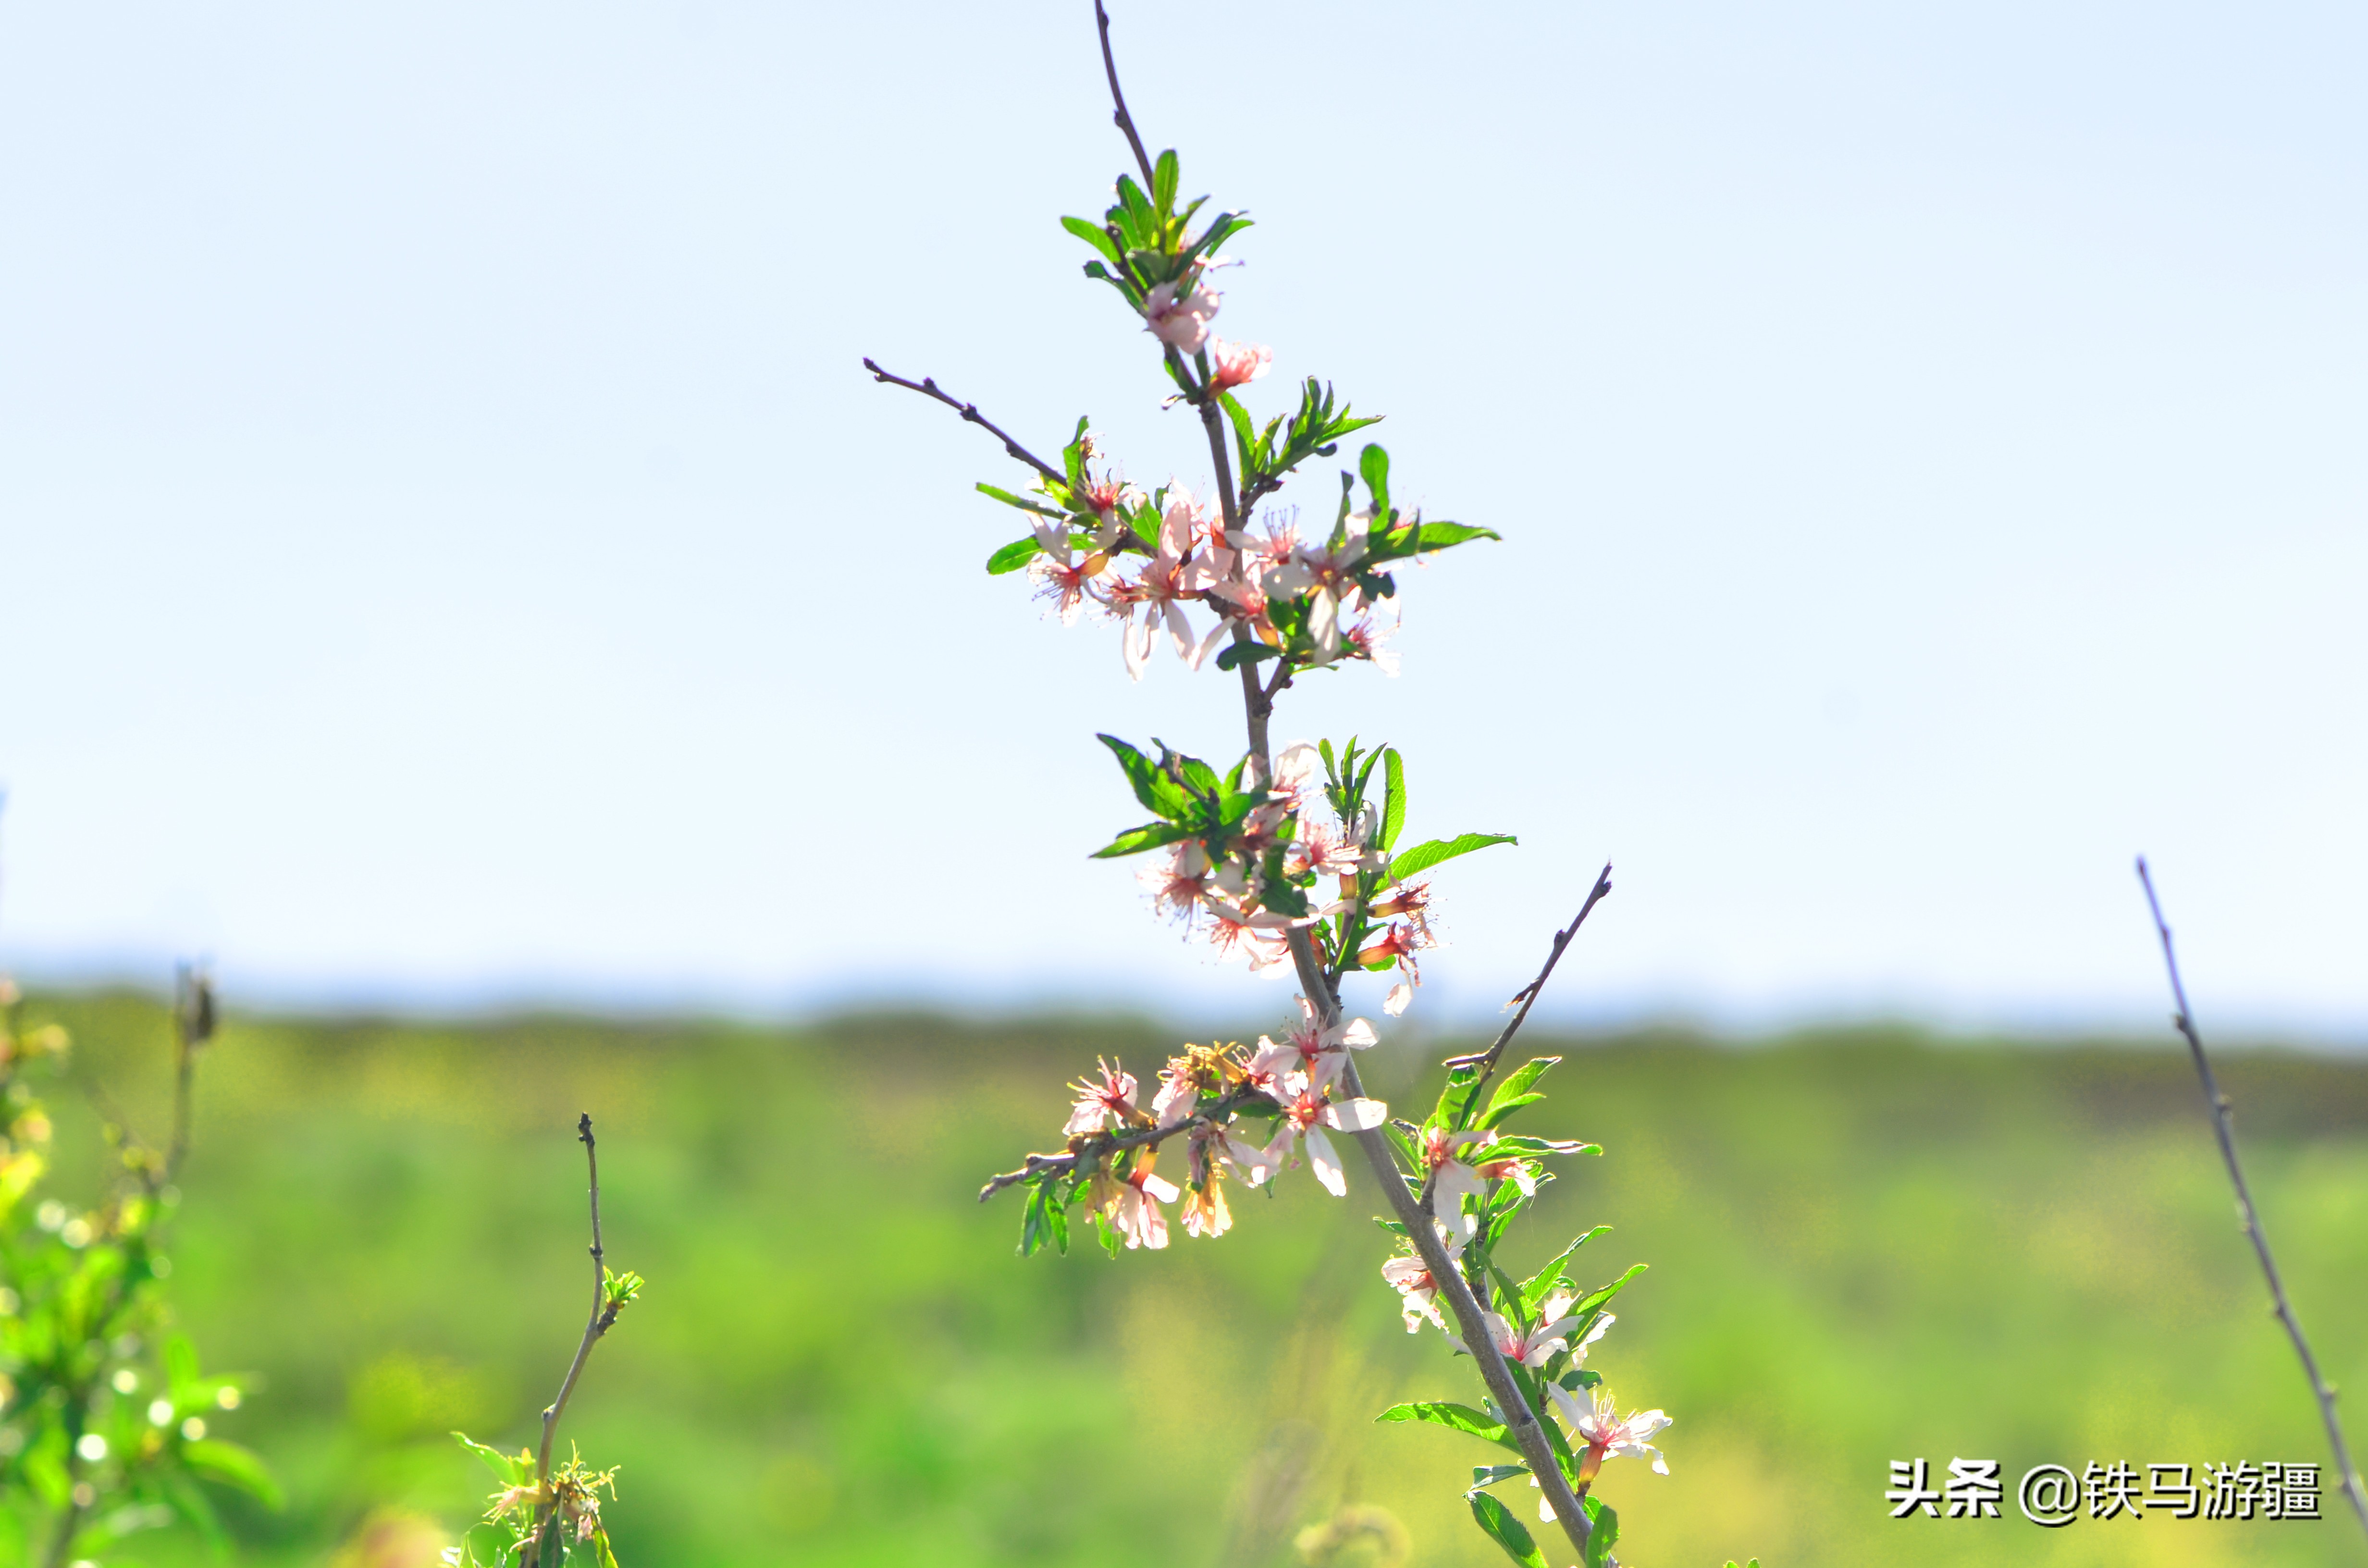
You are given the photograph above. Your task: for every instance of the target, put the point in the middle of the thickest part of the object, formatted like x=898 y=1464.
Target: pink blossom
x=1060 y=577
x=1177 y=879
x=1236 y=364
x=1365 y=641
x=1320 y=1051
x=1327 y=848
x=1550 y=1334
x=1134 y=1211
x=1103 y=1106
x=1179 y=1096
x=1257 y=936
x=1307 y=1113
x=1605 y=1433
x=1165 y=579
x=1298 y=768
x=1452 y=1179
x=1418 y=1291
x=1182 y=323
x=1400 y=943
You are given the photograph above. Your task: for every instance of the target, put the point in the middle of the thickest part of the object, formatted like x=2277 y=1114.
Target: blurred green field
x=1863 y=1247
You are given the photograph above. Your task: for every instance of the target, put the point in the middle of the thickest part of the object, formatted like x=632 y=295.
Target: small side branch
x=927 y=387
x=1123 y=119
x=2224 y=1125
x=1527 y=994
x=1103 y=1145
x=603 y=1314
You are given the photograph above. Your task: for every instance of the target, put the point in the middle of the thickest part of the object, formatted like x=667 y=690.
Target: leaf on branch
x=1013 y=556
x=1135 y=840
x=1501 y=1527
x=1423 y=856
x=1393 y=799
x=1161 y=794
x=1093 y=234
x=1602 y=1530
x=1026 y=503
x=1440 y=536
x=1593 y=1301
x=1233 y=656
x=1373 y=463
x=511 y=1472
x=1165 y=174
x=1461 y=1418
x=1489 y=1474
x=1539 y=1286
x=1514 y=1092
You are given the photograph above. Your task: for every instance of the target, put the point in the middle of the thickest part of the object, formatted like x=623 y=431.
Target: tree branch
x=1123 y=119
x=927 y=387
x=1521 y=1423
x=1527 y=994
x=602 y=1316
x=1102 y=1145
x=2225 y=1125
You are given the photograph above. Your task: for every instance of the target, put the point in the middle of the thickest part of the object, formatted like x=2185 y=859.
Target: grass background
x=1863 y=1246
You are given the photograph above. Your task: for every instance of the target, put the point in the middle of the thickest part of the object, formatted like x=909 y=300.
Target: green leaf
x=1500 y=1107
x=1594 y=1300
x=1439 y=536
x=1152 y=786
x=1025 y=504
x=1506 y=1531
x=1135 y=840
x=1454 y=1095
x=1164 y=176
x=1393 y=798
x=1489 y=1474
x=1424 y=856
x=1093 y=234
x=503 y=1466
x=1233 y=656
x=1602 y=1530
x=1514 y=1092
x=1539 y=1286
x=1461 y=1418
x=233 y=1467
x=1013 y=556
x=1374 y=464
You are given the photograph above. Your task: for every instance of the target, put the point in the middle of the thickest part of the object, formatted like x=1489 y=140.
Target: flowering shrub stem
x=1293 y=854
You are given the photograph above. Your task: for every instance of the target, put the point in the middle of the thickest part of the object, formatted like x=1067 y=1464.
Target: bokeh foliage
x=1864 y=1247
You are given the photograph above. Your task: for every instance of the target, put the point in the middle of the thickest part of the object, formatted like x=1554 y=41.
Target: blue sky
x=453 y=554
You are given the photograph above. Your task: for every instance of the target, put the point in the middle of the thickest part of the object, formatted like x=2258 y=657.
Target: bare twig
x=193 y=1025
x=2225 y=1125
x=603 y=1314
x=927 y=387
x=1527 y=994
x=1123 y=119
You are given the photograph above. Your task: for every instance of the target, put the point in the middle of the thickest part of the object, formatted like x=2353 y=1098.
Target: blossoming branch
x=1289 y=860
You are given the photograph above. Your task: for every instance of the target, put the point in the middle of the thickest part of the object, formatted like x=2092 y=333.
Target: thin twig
x=1123 y=121
x=927 y=387
x=602 y=1316
x=1527 y=994
x=2223 y=1124
x=193 y=1025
